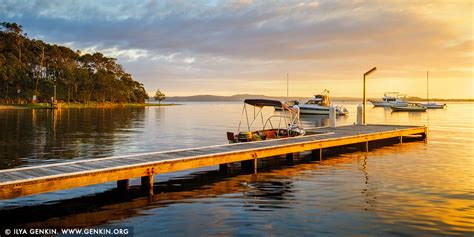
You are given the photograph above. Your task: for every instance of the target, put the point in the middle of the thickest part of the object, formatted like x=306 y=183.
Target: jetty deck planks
x=52 y=177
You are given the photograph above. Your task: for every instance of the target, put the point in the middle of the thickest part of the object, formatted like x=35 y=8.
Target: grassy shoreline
x=82 y=105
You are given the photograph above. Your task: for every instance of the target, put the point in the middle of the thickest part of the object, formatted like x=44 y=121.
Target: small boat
x=428 y=104
x=320 y=104
x=390 y=99
x=411 y=107
x=432 y=105
x=281 y=125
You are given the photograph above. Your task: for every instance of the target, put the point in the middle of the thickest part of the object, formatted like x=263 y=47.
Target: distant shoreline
x=82 y=105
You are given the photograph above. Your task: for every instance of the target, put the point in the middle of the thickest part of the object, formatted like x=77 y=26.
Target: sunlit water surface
x=410 y=189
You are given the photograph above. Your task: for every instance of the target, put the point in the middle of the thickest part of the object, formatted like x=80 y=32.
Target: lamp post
x=363 y=96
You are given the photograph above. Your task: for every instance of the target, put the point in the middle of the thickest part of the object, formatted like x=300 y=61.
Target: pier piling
x=332 y=117
x=147 y=184
x=224 y=168
x=359 y=114
x=248 y=165
x=315 y=154
x=123 y=185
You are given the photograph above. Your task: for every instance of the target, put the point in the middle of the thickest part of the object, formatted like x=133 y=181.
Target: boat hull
x=388 y=104
x=434 y=106
x=261 y=135
x=319 y=111
x=408 y=109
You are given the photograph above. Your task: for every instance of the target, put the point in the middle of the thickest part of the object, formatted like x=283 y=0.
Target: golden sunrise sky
x=236 y=47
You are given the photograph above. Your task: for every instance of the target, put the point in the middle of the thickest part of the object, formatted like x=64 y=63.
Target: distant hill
x=242 y=97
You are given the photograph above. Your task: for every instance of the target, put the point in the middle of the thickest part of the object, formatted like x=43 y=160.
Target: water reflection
x=369 y=191
x=41 y=136
x=268 y=190
x=408 y=189
x=315 y=120
x=274 y=187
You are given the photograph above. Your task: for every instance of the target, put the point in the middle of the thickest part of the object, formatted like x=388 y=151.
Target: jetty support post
x=123 y=185
x=332 y=116
x=359 y=114
x=148 y=181
x=290 y=157
x=224 y=168
x=248 y=165
x=255 y=166
x=315 y=154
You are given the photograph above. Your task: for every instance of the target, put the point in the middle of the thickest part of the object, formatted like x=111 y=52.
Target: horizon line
x=283 y=96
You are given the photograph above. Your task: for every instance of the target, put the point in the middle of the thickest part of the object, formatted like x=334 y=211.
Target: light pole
x=363 y=96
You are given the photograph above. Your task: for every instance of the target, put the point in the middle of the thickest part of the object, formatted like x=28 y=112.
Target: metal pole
x=427 y=88
x=363 y=96
x=55 y=91
x=363 y=104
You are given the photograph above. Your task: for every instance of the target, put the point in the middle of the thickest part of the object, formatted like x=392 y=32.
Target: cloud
x=231 y=39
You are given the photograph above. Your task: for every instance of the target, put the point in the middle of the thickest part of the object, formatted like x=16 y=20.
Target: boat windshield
x=393 y=96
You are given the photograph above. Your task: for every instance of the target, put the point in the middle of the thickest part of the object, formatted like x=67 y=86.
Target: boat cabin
x=322 y=100
x=393 y=96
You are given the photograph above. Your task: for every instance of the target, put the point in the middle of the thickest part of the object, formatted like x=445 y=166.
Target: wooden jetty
x=25 y=181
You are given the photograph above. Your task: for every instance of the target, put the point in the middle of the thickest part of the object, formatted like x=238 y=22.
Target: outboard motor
x=244 y=136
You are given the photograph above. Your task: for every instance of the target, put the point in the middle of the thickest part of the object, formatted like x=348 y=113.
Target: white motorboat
x=431 y=105
x=411 y=107
x=320 y=104
x=391 y=99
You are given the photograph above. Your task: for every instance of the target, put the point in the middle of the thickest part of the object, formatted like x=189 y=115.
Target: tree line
x=32 y=68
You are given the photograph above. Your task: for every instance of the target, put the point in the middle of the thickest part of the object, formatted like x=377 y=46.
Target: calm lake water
x=414 y=189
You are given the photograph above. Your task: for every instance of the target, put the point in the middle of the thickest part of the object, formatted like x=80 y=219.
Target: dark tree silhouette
x=159 y=96
x=32 y=67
